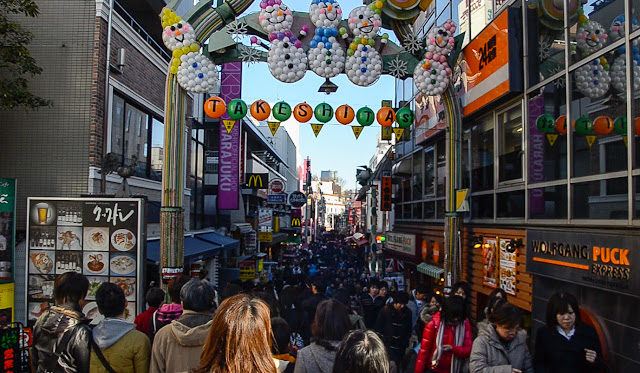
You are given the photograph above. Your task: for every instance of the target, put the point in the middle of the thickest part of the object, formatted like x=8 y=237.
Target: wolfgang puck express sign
x=600 y=260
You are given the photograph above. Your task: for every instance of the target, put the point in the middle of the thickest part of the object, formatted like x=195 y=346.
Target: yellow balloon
x=379 y=4
x=194 y=47
x=177 y=53
x=174 y=69
x=353 y=46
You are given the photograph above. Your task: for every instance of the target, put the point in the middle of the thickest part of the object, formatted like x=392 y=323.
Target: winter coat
x=395 y=328
x=370 y=308
x=316 y=359
x=425 y=317
x=178 y=346
x=143 y=320
x=162 y=317
x=126 y=350
x=555 y=354
x=490 y=355
x=61 y=341
x=416 y=307
x=428 y=345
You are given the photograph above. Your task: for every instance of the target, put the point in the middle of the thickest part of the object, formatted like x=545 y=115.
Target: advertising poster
x=507 y=268
x=6 y=302
x=102 y=238
x=489 y=262
x=7 y=228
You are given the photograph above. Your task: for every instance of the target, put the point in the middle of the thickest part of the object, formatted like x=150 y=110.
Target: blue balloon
x=364 y=49
x=364 y=59
x=327 y=32
x=364 y=69
x=328 y=45
x=325 y=39
x=334 y=32
x=319 y=31
x=317 y=38
x=313 y=44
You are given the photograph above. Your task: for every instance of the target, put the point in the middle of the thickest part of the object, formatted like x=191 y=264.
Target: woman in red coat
x=446 y=339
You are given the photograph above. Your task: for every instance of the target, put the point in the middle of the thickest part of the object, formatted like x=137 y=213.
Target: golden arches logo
x=255 y=181
x=295 y=222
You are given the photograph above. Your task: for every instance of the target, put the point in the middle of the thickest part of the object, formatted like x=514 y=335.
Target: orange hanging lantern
x=214 y=107
x=386 y=116
x=603 y=125
x=561 y=124
x=345 y=114
x=303 y=112
x=260 y=110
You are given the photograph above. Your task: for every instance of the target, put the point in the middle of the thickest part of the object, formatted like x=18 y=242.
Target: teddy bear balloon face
x=591 y=37
x=275 y=16
x=364 y=22
x=440 y=39
x=325 y=13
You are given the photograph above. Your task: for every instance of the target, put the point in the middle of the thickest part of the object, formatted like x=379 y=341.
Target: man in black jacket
x=371 y=303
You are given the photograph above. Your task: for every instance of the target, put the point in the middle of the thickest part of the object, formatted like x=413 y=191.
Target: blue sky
x=336 y=148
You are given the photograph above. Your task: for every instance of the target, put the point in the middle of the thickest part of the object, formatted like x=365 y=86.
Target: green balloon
x=584 y=126
x=237 y=109
x=404 y=117
x=323 y=112
x=620 y=125
x=281 y=111
x=365 y=116
x=546 y=123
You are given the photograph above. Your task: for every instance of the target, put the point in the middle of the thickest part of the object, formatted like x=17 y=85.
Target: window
x=482 y=154
x=417 y=176
x=602 y=199
x=196 y=179
x=429 y=173
x=548 y=203
x=511 y=154
x=441 y=167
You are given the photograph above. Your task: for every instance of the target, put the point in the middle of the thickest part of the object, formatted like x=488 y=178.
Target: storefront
x=400 y=259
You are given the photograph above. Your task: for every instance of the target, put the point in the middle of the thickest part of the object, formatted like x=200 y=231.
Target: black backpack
x=155 y=325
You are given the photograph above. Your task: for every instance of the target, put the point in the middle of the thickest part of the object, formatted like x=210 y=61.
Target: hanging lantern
x=620 y=125
x=404 y=117
x=365 y=116
x=303 y=112
x=214 y=107
x=603 y=125
x=237 y=109
x=281 y=111
x=386 y=116
x=584 y=126
x=323 y=112
x=561 y=124
x=345 y=114
x=546 y=123
x=260 y=110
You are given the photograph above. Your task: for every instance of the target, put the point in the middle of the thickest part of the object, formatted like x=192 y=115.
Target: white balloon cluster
x=440 y=39
x=365 y=66
x=287 y=62
x=618 y=74
x=364 y=22
x=275 y=16
x=617 y=30
x=178 y=35
x=593 y=79
x=197 y=73
x=432 y=75
x=590 y=37
x=327 y=62
x=325 y=13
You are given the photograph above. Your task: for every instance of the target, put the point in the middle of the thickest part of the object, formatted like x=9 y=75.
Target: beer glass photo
x=42 y=213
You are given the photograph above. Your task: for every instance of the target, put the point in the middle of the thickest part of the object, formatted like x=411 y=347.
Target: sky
x=336 y=147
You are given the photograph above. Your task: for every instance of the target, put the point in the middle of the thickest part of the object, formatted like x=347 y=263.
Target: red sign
x=385 y=194
x=276 y=186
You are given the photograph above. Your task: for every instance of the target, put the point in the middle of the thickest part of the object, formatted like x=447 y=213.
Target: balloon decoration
x=619 y=74
x=620 y=125
x=386 y=116
x=237 y=109
x=303 y=112
x=441 y=39
x=584 y=126
x=260 y=110
x=365 y=116
x=404 y=117
x=326 y=55
x=546 y=123
x=345 y=114
x=364 y=64
x=432 y=75
x=281 y=111
x=215 y=107
x=603 y=125
x=561 y=124
x=591 y=35
x=275 y=16
x=323 y=112
x=593 y=79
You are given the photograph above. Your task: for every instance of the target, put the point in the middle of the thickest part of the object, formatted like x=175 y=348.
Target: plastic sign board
x=257 y=181
x=276 y=186
x=297 y=199
x=265 y=236
x=295 y=222
x=385 y=194
x=277 y=199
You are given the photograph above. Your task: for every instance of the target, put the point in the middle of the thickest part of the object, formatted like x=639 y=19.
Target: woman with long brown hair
x=240 y=338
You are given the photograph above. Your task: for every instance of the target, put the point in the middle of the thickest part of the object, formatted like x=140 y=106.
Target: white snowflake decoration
x=412 y=43
x=560 y=82
x=544 y=50
x=249 y=55
x=398 y=68
x=592 y=79
x=237 y=30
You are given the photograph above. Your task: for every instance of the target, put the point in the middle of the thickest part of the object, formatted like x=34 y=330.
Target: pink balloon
x=443 y=59
x=339 y=11
x=432 y=40
x=254 y=40
x=305 y=28
x=272 y=36
x=428 y=55
x=185 y=28
x=352 y=20
x=376 y=23
x=298 y=44
x=263 y=5
x=448 y=70
x=583 y=36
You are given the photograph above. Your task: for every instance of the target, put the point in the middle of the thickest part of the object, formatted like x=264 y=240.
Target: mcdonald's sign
x=257 y=181
x=295 y=222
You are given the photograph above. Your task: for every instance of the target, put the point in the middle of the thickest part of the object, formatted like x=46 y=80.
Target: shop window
x=429 y=173
x=511 y=155
x=417 y=211
x=440 y=209
x=548 y=202
x=590 y=32
x=406 y=189
x=510 y=204
x=547 y=43
x=417 y=176
x=466 y=157
x=406 y=211
x=482 y=154
x=429 y=210
x=441 y=167
x=547 y=155
x=601 y=199
x=482 y=206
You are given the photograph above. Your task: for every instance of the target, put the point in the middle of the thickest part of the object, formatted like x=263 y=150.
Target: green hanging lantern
x=237 y=109
x=365 y=116
x=546 y=123
x=281 y=111
x=323 y=112
x=584 y=126
x=620 y=125
x=404 y=117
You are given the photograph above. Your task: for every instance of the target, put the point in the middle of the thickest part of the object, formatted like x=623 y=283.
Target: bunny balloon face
x=275 y=16
x=177 y=33
x=325 y=13
x=440 y=39
x=591 y=37
x=364 y=22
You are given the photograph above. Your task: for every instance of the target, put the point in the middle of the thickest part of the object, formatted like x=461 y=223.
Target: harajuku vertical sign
x=229 y=161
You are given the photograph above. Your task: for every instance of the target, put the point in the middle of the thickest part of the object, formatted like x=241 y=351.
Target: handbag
x=101 y=357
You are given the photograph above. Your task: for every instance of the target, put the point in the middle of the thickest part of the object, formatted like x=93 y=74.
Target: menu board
x=507 y=267
x=102 y=238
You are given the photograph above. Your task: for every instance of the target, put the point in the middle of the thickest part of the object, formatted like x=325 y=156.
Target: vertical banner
x=507 y=268
x=7 y=228
x=7 y=292
x=489 y=262
x=536 y=156
x=229 y=160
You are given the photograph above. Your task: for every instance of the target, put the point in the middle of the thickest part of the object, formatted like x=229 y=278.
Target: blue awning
x=194 y=249
x=224 y=241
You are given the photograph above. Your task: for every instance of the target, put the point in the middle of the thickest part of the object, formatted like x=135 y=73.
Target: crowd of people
x=319 y=315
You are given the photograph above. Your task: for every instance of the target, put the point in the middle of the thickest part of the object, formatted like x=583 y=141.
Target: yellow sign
x=260 y=265
x=398 y=132
x=228 y=125
x=273 y=126
x=552 y=138
x=316 y=128
x=386 y=133
x=357 y=130
x=265 y=236
x=462 y=203
x=257 y=181
x=6 y=300
x=590 y=140
x=295 y=222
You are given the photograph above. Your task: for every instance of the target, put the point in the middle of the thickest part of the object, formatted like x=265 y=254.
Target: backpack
x=155 y=325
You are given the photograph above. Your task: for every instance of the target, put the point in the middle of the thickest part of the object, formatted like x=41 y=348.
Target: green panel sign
x=7 y=228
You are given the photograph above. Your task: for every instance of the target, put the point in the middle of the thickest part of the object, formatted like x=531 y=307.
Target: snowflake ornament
x=412 y=43
x=560 y=82
x=249 y=55
x=544 y=50
x=440 y=39
x=237 y=30
x=398 y=68
x=593 y=79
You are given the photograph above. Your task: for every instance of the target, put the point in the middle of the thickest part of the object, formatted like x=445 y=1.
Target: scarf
x=459 y=340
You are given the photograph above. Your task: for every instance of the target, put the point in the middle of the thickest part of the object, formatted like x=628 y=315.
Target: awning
x=430 y=270
x=402 y=168
x=194 y=248
x=362 y=242
x=243 y=227
x=226 y=242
